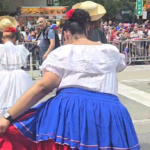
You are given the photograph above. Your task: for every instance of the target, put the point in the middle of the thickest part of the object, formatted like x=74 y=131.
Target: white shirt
x=92 y=67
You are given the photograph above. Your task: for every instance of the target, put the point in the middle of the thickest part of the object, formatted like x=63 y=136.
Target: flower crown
x=69 y=13
x=10 y=29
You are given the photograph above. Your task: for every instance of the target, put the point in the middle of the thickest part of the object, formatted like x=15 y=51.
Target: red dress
x=7 y=142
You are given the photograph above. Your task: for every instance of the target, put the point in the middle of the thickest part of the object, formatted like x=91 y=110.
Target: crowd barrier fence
x=134 y=50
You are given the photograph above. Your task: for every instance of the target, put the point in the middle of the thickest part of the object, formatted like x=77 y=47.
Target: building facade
x=13 y=4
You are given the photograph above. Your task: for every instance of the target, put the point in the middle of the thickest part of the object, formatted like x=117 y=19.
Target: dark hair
x=23 y=28
x=11 y=36
x=78 y=22
x=95 y=24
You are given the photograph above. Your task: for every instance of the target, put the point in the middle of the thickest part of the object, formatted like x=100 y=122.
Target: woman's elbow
x=42 y=88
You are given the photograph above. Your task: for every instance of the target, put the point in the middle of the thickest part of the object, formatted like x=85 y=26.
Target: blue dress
x=81 y=119
x=82 y=114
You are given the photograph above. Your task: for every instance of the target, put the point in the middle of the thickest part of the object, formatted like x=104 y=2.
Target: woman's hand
x=45 y=56
x=3 y=125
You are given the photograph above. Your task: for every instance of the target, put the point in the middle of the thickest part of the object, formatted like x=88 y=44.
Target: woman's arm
x=116 y=33
x=46 y=85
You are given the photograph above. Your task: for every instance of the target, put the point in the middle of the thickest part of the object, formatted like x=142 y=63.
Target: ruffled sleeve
x=120 y=58
x=121 y=64
x=70 y=59
x=50 y=64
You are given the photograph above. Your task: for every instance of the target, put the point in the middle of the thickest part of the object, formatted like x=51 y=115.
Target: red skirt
x=14 y=140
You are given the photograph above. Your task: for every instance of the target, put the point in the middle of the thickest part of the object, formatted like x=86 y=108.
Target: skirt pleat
x=81 y=119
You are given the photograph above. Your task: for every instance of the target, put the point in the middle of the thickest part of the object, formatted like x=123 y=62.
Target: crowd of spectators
x=133 y=38
x=40 y=40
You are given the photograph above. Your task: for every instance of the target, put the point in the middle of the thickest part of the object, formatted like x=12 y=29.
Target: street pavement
x=134 y=93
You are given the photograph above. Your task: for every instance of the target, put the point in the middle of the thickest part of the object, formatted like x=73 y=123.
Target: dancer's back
x=13 y=81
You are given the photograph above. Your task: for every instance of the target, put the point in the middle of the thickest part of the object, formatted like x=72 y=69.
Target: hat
x=96 y=11
x=7 y=21
x=54 y=26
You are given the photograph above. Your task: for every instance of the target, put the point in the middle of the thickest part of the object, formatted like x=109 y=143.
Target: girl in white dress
x=13 y=81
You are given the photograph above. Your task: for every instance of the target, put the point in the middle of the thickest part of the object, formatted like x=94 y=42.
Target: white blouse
x=12 y=56
x=86 y=66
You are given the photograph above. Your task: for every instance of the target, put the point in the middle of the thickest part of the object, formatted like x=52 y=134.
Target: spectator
x=47 y=39
x=27 y=34
x=37 y=32
x=32 y=36
x=135 y=34
x=96 y=33
x=49 y=23
x=114 y=24
x=110 y=24
x=113 y=31
x=141 y=33
x=136 y=25
x=57 y=41
x=119 y=27
x=123 y=36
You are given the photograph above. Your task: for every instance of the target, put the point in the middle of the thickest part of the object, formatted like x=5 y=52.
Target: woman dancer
x=13 y=81
x=96 y=12
x=86 y=113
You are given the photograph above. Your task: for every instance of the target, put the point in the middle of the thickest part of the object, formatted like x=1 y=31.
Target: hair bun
x=80 y=16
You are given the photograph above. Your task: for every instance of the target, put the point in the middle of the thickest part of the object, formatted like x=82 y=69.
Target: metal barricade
x=135 y=50
x=33 y=61
x=33 y=48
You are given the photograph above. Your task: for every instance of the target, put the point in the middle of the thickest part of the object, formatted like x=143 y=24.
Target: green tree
x=3 y=5
x=113 y=7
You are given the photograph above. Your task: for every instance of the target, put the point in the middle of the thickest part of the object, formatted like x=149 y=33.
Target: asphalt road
x=134 y=93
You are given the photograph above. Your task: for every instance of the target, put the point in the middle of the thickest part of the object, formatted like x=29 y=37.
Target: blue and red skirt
x=74 y=119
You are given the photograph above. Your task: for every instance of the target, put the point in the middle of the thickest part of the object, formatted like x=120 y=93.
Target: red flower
x=69 y=13
x=11 y=29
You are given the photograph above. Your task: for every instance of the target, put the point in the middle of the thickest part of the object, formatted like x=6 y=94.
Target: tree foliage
x=3 y=5
x=113 y=7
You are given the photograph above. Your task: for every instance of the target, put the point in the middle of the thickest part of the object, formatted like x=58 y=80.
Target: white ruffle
x=122 y=63
x=52 y=69
x=85 y=59
x=90 y=67
x=13 y=56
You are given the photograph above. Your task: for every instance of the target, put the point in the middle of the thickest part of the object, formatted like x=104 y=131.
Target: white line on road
x=134 y=94
x=136 y=80
x=142 y=69
x=141 y=121
x=137 y=68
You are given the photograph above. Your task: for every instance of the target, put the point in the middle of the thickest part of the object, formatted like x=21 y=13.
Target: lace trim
x=50 y=69
x=79 y=60
x=10 y=59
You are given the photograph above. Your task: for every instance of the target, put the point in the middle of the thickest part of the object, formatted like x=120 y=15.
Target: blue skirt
x=81 y=119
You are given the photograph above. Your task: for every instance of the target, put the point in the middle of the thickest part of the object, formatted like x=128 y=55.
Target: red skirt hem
x=14 y=140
